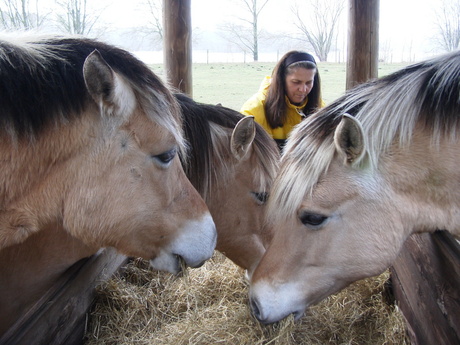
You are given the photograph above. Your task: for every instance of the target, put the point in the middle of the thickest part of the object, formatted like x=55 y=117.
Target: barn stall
x=424 y=280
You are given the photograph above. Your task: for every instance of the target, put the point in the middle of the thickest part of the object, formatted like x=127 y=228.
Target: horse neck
x=29 y=269
x=425 y=181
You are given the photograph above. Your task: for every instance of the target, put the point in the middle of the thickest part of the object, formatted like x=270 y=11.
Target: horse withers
x=90 y=143
x=356 y=179
x=232 y=163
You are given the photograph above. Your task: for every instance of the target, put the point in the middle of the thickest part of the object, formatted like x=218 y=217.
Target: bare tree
x=246 y=35
x=75 y=17
x=317 y=21
x=156 y=19
x=152 y=31
x=16 y=15
x=448 y=24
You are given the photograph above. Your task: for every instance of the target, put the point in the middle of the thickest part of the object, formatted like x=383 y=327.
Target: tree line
x=70 y=16
x=316 y=22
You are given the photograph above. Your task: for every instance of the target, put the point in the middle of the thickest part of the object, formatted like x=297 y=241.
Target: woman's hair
x=275 y=103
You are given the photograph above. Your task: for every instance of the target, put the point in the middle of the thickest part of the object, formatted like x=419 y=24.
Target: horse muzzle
x=194 y=245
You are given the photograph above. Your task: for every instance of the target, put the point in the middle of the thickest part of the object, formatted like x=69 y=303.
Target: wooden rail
x=425 y=279
x=59 y=316
x=426 y=284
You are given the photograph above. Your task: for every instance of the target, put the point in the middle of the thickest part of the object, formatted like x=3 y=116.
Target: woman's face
x=299 y=84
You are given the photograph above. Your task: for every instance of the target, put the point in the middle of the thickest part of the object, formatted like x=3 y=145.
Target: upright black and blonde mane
x=41 y=82
x=426 y=94
x=208 y=129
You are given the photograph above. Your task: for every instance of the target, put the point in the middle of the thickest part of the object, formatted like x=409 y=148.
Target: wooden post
x=178 y=44
x=363 y=33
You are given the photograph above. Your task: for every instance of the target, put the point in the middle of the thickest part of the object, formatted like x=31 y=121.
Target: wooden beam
x=178 y=44
x=59 y=317
x=426 y=284
x=363 y=44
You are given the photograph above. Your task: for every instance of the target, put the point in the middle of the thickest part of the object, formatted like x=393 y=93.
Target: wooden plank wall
x=425 y=277
x=426 y=284
x=59 y=317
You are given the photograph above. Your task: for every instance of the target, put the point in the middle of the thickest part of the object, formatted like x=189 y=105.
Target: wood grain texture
x=59 y=316
x=426 y=281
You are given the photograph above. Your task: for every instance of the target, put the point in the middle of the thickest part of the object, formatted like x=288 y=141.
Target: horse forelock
x=42 y=82
x=208 y=130
x=162 y=108
x=306 y=156
x=389 y=109
x=266 y=154
x=264 y=159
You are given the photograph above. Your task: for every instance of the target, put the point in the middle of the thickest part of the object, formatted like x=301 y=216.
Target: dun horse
x=356 y=179
x=90 y=143
x=232 y=163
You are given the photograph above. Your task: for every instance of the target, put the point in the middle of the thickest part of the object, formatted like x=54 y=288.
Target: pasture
x=209 y=305
x=231 y=84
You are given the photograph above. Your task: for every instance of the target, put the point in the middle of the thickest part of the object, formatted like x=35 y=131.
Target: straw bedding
x=209 y=306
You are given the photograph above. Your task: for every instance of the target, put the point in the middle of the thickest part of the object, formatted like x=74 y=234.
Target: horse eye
x=261 y=198
x=312 y=219
x=166 y=157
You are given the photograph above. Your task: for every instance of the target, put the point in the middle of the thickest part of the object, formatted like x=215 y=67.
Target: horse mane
x=426 y=94
x=41 y=81
x=208 y=129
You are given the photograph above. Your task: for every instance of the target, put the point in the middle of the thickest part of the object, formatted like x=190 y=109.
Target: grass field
x=231 y=84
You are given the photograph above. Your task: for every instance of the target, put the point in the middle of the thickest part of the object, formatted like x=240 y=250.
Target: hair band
x=297 y=57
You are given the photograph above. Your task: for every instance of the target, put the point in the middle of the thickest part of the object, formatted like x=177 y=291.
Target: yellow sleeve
x=254 y=106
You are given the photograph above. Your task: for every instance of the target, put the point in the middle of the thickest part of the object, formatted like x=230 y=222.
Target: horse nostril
x=255 y=309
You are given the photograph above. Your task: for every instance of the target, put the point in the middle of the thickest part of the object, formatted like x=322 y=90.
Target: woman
x=288 y=96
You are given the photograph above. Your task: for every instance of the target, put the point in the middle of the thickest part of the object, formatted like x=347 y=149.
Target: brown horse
x=90 y=143
x=232 y=164
x=352 y=188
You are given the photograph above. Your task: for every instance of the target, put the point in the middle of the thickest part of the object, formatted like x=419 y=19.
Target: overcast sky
x=407 y=26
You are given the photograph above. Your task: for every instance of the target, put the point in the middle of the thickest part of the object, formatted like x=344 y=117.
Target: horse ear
x=99 y=77
x=349 y=139
x=242 y=137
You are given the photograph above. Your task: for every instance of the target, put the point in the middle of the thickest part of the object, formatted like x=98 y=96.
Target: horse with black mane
x=232 y=162
x=90 y=145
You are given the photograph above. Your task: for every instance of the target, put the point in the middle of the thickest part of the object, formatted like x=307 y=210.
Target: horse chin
x=172 y=263
x=298 y=314
x=168 y=262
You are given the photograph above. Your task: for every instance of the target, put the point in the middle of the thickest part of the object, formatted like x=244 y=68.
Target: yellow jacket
x=255 y=106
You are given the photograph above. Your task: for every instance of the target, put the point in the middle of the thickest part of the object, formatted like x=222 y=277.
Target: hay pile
x=209 y=306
